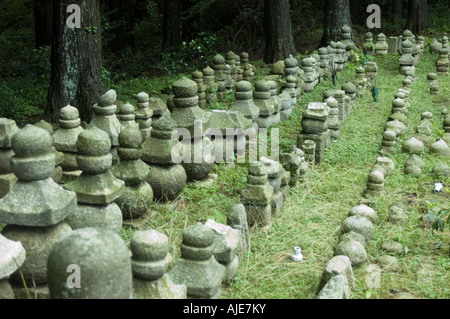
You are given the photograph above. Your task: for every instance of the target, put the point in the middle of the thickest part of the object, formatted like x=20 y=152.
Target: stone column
x=7 y=179
x=144 y=115
x=188 y=115
x=126 y=115
x=381 y=47
x=96 y=187
x=137 y=196
x=36 y=207
x=257 y=196
x=261 y=98
x=197 y=268
x=244 y=102
x=65 y=140
x=149 y=263
x=315 y=127
x=197 y=77
x=166 y=178
x=105 y=118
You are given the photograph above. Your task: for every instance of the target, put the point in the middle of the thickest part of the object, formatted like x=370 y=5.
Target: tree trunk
x=397 y=8
x=76 y=76
x=337 y=14
x=117 y=16
x=171 y=36
x=417 y=16
x=43 y=10
x=279 y=43
x=355 y=13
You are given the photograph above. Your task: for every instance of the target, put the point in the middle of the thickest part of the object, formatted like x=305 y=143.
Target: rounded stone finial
x=149 y=245
x=165 y=124
x=197 y=75
x=142 y=97
x=93 y=142
x=184 y=87
x=218 y=59
x=109 y=98
x=127 y=108
x=130 y=137
x=198 y=236
x=31 y=141
x=243 y=86
x=262 y=86
x=290 y=62
x=208 y=71
x=69 y=113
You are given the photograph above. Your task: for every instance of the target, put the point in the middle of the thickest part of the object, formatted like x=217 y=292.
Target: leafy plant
x=438 y=218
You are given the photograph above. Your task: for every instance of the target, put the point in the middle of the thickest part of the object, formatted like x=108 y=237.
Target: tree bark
x=43 y=10
x=76 y=75
x=337 y=14
x=171 y=36
x=417 y=16
x=355 y=13
x=279 y=42
x=397 y=8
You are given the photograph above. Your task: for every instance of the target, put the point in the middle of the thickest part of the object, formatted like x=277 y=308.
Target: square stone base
x=277 y=203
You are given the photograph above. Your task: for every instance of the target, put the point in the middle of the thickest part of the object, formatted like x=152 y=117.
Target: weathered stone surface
x=353 y=249
x=104 y=263
x=338 y=265
x=38 y=203
x=166 y=181
x=37 y=242
x=440 y=148
x=202 y=275
x=359 y=225
x=364 y=211
x=6 y=291
x=7 y=129
x=354 y=236
x=237 y=218
x=336 y=288
x=96 y=189
x=397 y=214
x=12 y=256
x=163 y=288
x=388 y=263
x=392 y=247
x=413 y=146
x=226 y=241
x=107 y=216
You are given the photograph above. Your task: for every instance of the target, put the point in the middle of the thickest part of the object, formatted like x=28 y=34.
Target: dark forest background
x=154 y=38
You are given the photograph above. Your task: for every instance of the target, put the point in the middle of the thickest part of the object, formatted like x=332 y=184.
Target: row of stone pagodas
x=36 y=207
x=210 y=255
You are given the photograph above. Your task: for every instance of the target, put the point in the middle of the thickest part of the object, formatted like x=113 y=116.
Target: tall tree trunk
x=76 y=75
x=43 y=10
x=417 y=16
x=337 y=14
x=171 y=36
x=355 y=13
x=117 y=16
x=279 y=42
x=397 y=8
